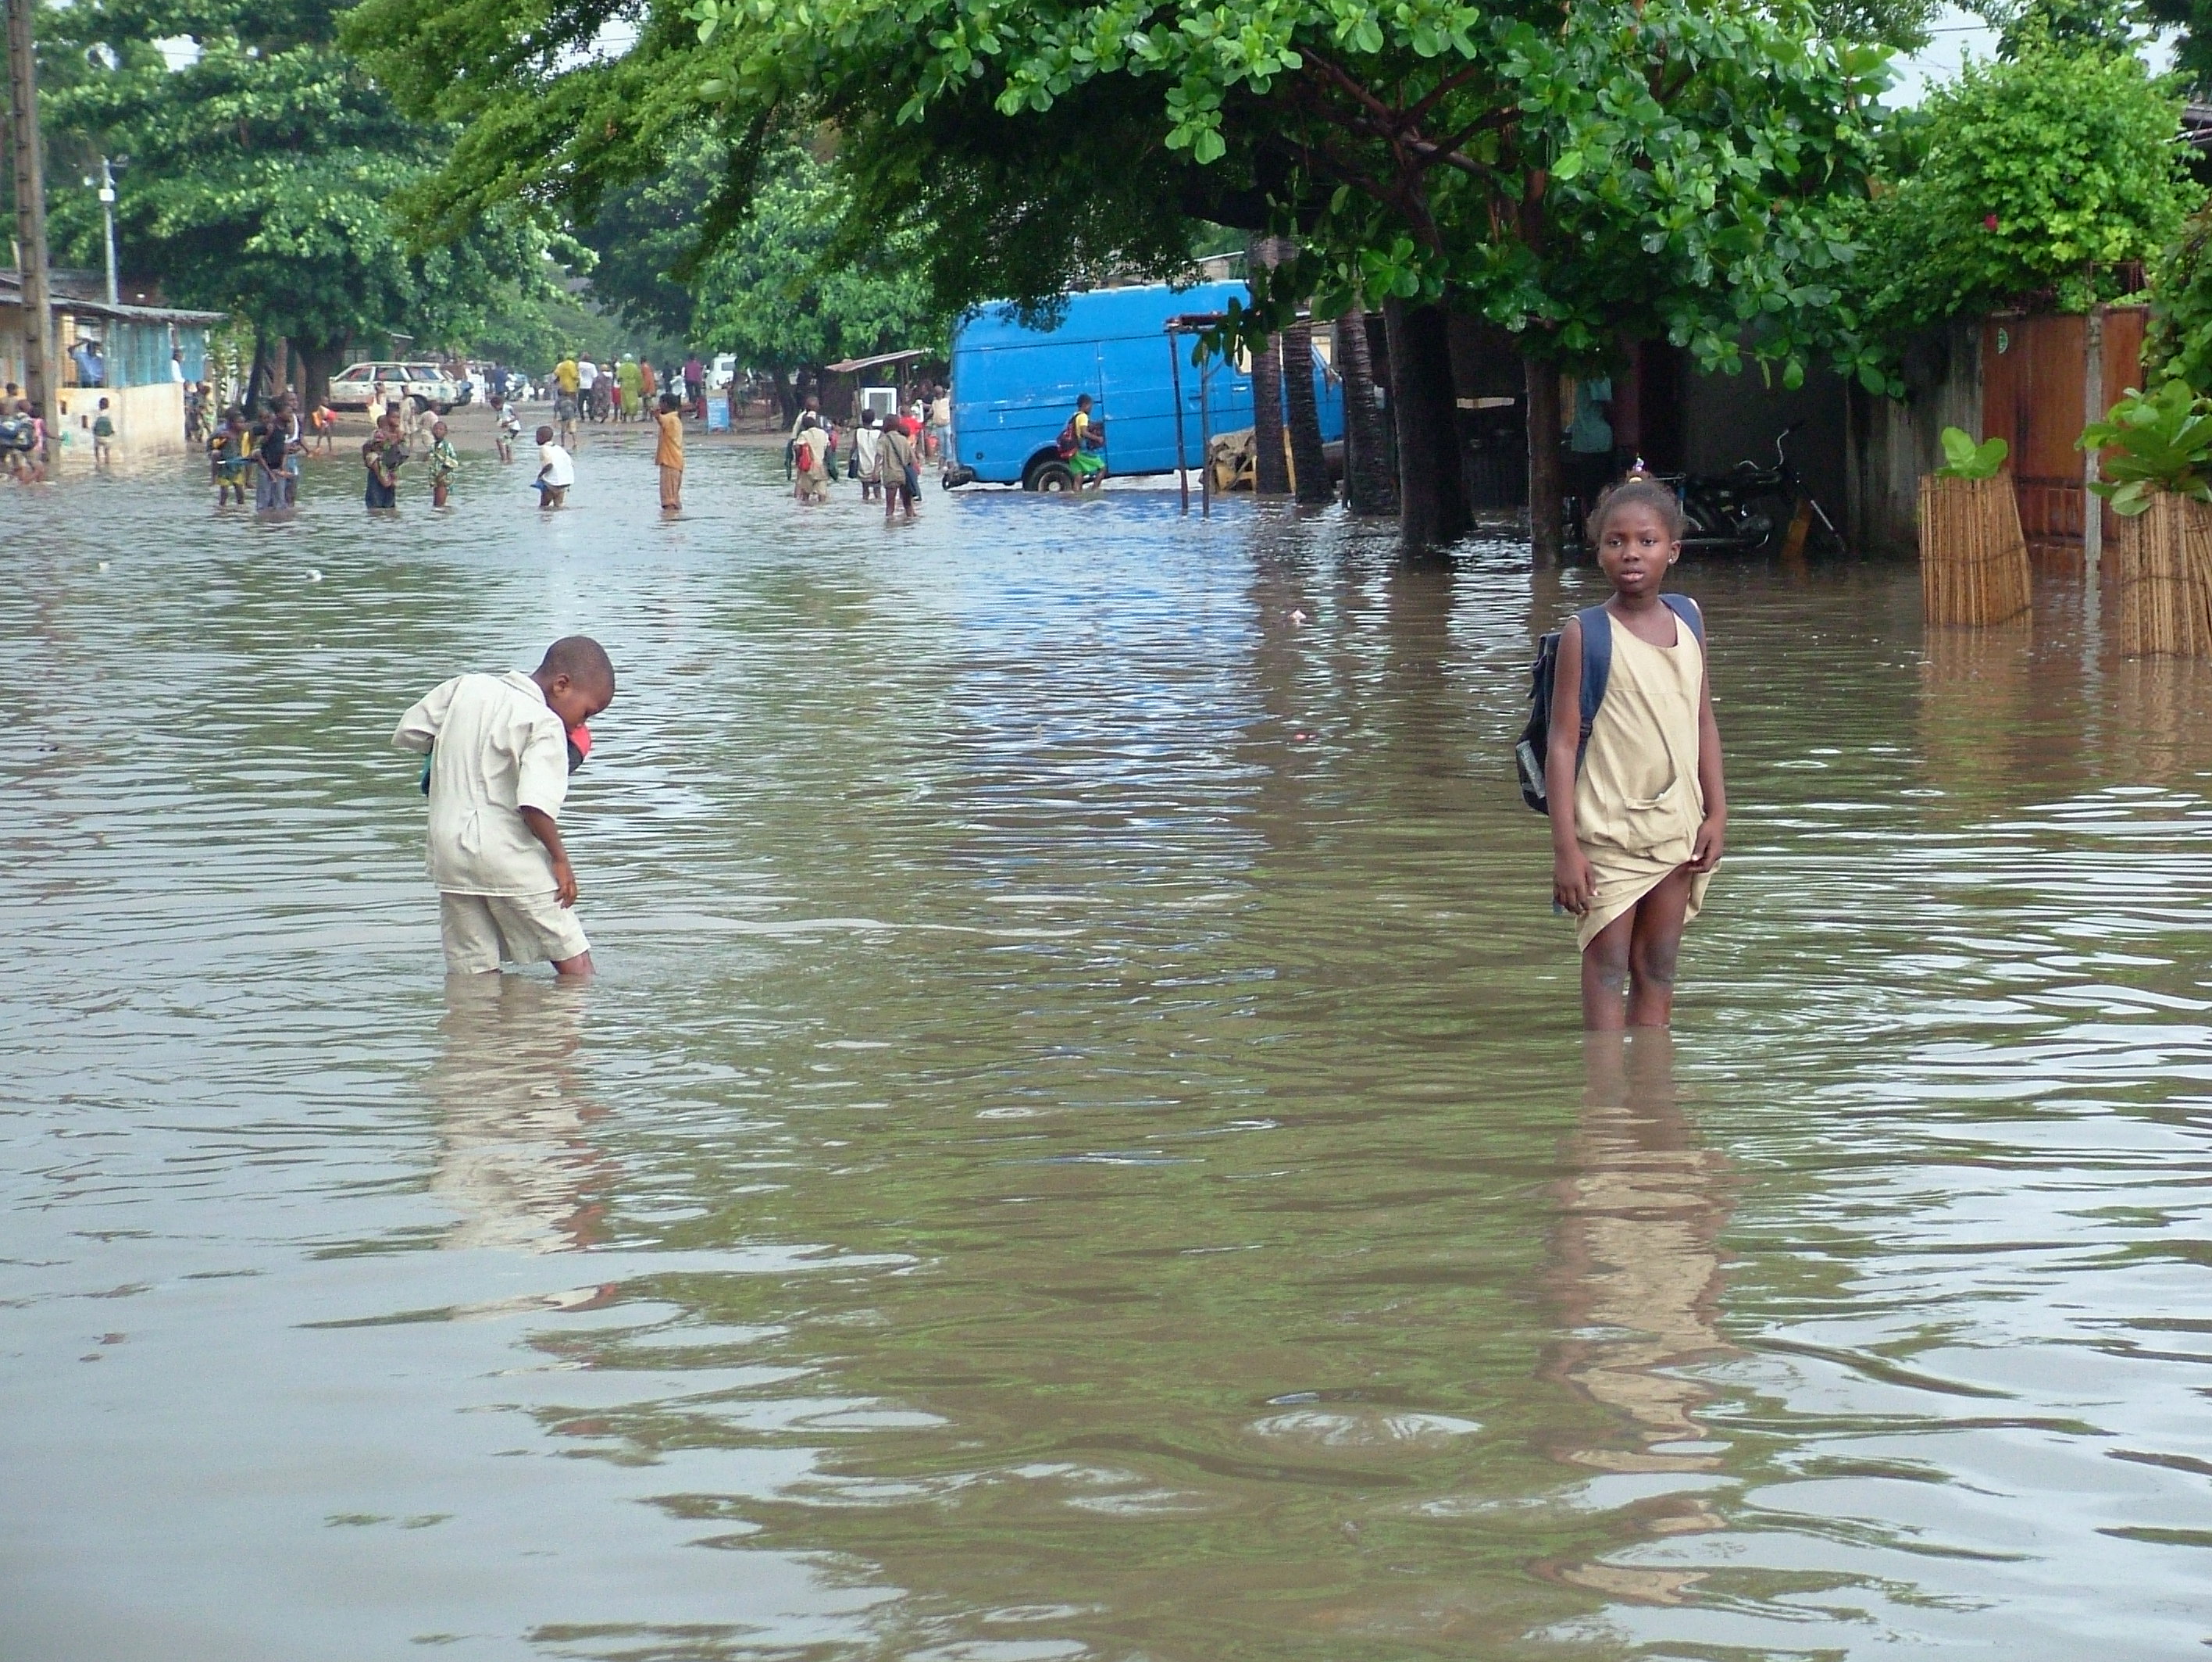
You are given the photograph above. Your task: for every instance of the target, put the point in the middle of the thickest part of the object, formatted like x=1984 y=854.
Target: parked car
x=426 y=385
x=1013 y=388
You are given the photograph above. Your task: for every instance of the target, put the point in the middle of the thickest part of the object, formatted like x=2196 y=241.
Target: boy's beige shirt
x=499 y=750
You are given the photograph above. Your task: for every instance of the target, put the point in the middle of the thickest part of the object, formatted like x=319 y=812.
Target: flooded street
x=1080 y=1147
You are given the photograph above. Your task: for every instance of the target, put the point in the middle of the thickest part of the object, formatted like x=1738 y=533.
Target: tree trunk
x=1369 y=487
x=1271 y=472
x=257 y=378
x=1546 y=488
x=1304 y=417
x=786 y=396
x=1432 y=505
x=318 y=361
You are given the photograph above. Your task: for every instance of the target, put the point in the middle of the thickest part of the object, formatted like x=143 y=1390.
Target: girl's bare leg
x=1605 y=976
x=1654 y=944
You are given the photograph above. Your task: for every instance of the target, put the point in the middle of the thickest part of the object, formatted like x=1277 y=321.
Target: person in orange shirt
x=669 y=455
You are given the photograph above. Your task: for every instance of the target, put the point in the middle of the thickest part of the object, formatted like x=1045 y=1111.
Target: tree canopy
x=2044 y=178
x=262 y=172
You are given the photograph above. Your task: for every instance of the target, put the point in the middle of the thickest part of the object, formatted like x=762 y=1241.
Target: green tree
x=778 y=294
x=264 y=164
x=2042 y=179
x=1581 y=175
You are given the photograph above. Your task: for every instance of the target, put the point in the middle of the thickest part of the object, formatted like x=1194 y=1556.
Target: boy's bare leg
x=1654 y=946
x=578 y=968
x=1605 y=976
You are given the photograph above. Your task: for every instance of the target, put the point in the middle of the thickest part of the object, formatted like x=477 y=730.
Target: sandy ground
x=471 y=425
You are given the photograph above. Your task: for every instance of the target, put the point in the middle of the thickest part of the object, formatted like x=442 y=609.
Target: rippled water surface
x=1080 y=1146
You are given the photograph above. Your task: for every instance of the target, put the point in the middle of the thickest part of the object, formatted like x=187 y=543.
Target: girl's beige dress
x=1637 y=801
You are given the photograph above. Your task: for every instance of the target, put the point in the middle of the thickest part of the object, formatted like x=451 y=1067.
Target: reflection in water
x=1639 y=1271
x=513 y=1156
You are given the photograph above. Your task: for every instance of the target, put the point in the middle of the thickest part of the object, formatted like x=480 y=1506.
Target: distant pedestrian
x=867 y=447
x=557 y=471
x=668 y=456
x=506 y=429
x=445 y=462
x=897 y=467
x=810 y=459
x=295 y=445
x=1083 y=445
x=268 y=457
x=695 y=385
x=648 y=384
x=103 y=440
x=630 y=385
x=1639 y=806
x=940 y=426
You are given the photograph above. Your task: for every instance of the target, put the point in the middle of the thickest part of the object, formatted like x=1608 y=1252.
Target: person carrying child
x=1638 y=802
x=444 y=463
x=382 y=455
x=557 y=471
x=501 y=749
x=229 y=449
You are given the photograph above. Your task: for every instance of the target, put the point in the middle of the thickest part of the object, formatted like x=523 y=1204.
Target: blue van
x=1014 y=388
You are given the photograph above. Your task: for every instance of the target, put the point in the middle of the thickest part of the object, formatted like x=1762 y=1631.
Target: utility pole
x=39 y=380
x=108 y=213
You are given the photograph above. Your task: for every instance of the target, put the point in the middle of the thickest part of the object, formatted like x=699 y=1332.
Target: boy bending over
x=501 y=747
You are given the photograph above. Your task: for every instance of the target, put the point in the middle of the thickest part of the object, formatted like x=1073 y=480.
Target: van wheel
x=1050 y=474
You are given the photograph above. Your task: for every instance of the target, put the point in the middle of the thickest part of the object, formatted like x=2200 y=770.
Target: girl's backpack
x=1066 y=442
x=1534 y=745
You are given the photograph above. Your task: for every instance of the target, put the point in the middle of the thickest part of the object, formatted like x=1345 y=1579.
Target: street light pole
x=108 y=213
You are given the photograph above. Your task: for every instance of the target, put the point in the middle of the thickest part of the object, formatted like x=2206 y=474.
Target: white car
x=426 y=385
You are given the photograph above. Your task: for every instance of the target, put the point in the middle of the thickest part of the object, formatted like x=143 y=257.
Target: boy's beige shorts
x=482 y=932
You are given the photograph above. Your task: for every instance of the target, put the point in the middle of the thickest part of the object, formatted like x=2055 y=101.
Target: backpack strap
x=1686 y=609
x=1597 y=665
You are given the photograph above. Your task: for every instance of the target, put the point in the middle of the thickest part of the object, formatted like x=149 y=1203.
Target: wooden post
x=2092 y=407
x=1205 y=452
x=39 y=381
x=1175 y=378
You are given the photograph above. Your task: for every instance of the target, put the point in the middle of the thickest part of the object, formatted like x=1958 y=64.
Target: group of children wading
x=1632 y=785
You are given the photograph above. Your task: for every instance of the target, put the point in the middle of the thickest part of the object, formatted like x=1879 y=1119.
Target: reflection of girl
x=1641 y=1216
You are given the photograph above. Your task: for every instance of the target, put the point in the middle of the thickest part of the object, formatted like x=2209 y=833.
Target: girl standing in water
x=1637 y=803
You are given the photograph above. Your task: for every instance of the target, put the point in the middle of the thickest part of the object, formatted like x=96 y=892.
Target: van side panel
x=1014 y=388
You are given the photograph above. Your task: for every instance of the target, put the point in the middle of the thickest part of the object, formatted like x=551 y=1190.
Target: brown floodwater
x=1080 y=1147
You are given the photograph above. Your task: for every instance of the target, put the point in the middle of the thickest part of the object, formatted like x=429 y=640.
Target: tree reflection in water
x=1639 y=1273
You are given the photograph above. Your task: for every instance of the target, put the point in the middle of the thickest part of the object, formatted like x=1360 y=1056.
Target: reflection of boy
x=498 y=748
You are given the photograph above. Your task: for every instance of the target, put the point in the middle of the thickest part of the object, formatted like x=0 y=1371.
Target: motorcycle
x=1743 y=510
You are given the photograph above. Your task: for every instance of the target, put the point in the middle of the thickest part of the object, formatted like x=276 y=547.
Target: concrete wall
x=1728 y=419
x=1891 y=444
x=149 y=422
